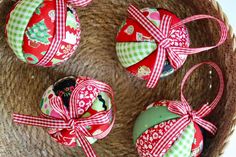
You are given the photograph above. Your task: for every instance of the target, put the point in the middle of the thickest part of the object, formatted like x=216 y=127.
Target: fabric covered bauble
x=156 y=121
x=153 y=43
x=44 y=32
x=172 y=128
x=78 y=111
x=136 y=47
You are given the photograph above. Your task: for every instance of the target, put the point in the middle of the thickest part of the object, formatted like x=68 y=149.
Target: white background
x=229 y=7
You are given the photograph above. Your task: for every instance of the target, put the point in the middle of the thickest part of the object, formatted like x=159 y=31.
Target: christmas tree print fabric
x=188 y=144
x=64 y=88
x=136 y=48
x=34 y=31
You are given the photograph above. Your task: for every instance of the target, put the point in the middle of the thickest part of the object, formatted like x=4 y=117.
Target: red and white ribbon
x=188 y=115
x=70 y=119
x=162 y=37
x=60 y=18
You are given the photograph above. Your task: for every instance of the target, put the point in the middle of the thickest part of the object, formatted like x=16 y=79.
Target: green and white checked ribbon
x=18 y=21
x=183 y=145
x=130 y=53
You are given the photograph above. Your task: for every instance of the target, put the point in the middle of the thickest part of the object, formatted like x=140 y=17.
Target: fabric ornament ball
x=172 y=128
x=154 y=122
x=153 y=43
x=136 y=47
x=43 y=32
x=63 y=88
x=78 y=111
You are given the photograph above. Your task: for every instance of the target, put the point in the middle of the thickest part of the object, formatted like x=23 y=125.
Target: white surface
x=229 y=7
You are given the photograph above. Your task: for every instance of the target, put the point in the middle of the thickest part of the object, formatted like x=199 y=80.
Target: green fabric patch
x=39 y=33
x=98 y=104
x=56 y=61
x=41 y=103
x=183 y=145
x=86 y=115
x=31 y=58
x=71 y=21
x=130 y=53
x=90 y=140
x=150 y=118
x=19 y=19
x=102 y=103
x=37 y=11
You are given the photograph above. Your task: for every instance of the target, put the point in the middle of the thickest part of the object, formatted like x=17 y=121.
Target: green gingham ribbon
x=130 y=53
x=18 y=21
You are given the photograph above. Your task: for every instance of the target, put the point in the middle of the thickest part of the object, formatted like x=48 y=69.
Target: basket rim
x=232 y=36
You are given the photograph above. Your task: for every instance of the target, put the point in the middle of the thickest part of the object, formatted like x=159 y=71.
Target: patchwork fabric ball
x=153 y=43
x=39 y=32
x=137 y=49
x=171 y=128
x=77 y=111
x=154 y=122
x=64 y=88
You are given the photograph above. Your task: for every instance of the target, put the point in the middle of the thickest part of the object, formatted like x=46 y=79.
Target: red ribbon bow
x=166 y=48
x=70 y=119
x=60 y=27
x=188 y=115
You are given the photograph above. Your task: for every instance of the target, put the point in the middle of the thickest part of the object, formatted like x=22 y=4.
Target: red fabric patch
x=147 y=140
x=33 y=47
x=37 y=49
x=34 y=50
x=67 y=136
x=150 y=137
x=198 y=143
x=149 y=61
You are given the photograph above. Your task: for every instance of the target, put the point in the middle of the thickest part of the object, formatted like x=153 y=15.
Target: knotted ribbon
x=60 y=19
x=166 y=48
x=188 y=115
x=70 y=118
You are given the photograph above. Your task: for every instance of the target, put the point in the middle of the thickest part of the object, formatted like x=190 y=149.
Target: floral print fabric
x=100 y=103
x=188 y=144
x=38 y=32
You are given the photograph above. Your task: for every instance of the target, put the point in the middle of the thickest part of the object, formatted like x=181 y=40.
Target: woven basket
x=21 y=85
